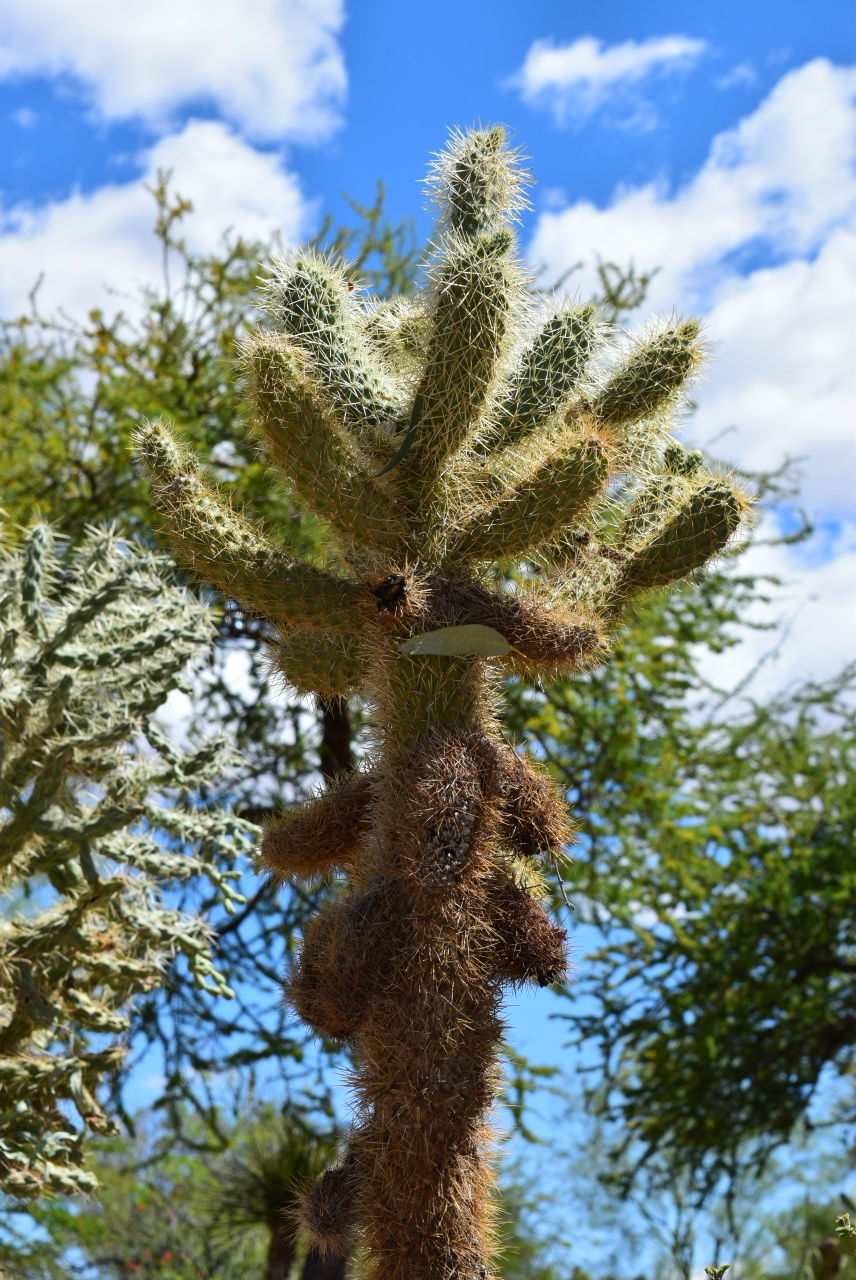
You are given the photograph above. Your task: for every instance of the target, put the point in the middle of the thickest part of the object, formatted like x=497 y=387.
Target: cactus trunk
x=428 y=1048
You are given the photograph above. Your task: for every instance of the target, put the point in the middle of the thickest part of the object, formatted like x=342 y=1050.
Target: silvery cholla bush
x=99 y=820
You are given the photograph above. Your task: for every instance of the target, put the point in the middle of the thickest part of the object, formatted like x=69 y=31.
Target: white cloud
x=741 y=76
x=272 y=67
x=760 y=242
x=782 y=184
x=576 y=80
x=24 y=117
x=784 y=374
x=86 y=243
x=814 y=607
x=782 y=179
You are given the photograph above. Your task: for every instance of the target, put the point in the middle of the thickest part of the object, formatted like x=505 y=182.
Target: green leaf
x=458 y=642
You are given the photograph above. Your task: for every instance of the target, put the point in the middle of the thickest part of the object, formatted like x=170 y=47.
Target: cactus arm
x=547 y=374
x=700 y=527
x=477 y=182
x=476 y=283
x=329 y=1212
x=322 y=834
x=555 y=495
x=341 y=962
x=528 y=946
x=308 y=299
x=299 y=427
x=651 y=377
x=534 y=813
x=225 y=549
x=320 y=662
x=398 y=330
x=543 y=639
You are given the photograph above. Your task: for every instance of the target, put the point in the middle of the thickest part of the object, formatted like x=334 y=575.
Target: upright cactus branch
x=483 y=454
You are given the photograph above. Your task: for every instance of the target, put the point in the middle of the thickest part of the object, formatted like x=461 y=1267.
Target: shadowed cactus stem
x=437 y=436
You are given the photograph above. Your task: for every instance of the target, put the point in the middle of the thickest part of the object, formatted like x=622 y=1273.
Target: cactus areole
x=452 y=443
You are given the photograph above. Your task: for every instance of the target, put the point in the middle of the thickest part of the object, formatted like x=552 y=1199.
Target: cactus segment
x=333 y=981
x=320 y=835
x=477 y=182
x=329 y=1210
x=534 y=817
x=650 y=508
x=547 y=374
x=225 y=549
x=398 y=330
x=654 y=374
x=699 y=529
x=308 y=299
x=556 y=495
x=475 y=288
x=528 y=946
x=299 y=427
x=320 y=662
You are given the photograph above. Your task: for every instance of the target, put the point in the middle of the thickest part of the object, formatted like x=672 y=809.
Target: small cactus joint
x=436 y=437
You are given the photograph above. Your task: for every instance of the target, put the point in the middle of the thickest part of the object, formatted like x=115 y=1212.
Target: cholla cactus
x=96 y=815
x=436 y=438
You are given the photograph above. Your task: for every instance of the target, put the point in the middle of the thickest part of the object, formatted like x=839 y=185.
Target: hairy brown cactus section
x=442 y=439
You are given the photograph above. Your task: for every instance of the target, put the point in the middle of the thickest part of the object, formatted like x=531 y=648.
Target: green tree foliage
x=101 y=817
x=71 y=396
x=715 y=860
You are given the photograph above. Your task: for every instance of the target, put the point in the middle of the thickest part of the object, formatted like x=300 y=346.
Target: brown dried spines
x=544 y=639
x=449 y=811
x=528 y=947
x=342 y=960
x=329 y=1211
x=534 y=815
x=321 y=835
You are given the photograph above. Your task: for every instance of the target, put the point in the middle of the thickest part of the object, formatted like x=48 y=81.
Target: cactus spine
x=451 y=443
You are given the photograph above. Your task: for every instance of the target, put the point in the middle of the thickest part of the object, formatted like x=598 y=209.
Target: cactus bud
x=678 y=461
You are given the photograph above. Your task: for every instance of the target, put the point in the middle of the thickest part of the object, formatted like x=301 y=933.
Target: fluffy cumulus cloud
x=273 y=67
x=810 y=617
x=760 y=242
x=779 y=190
x=574 y=81
x=85 y=244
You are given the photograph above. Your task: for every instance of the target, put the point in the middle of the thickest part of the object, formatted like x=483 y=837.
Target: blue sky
x=713 y=142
